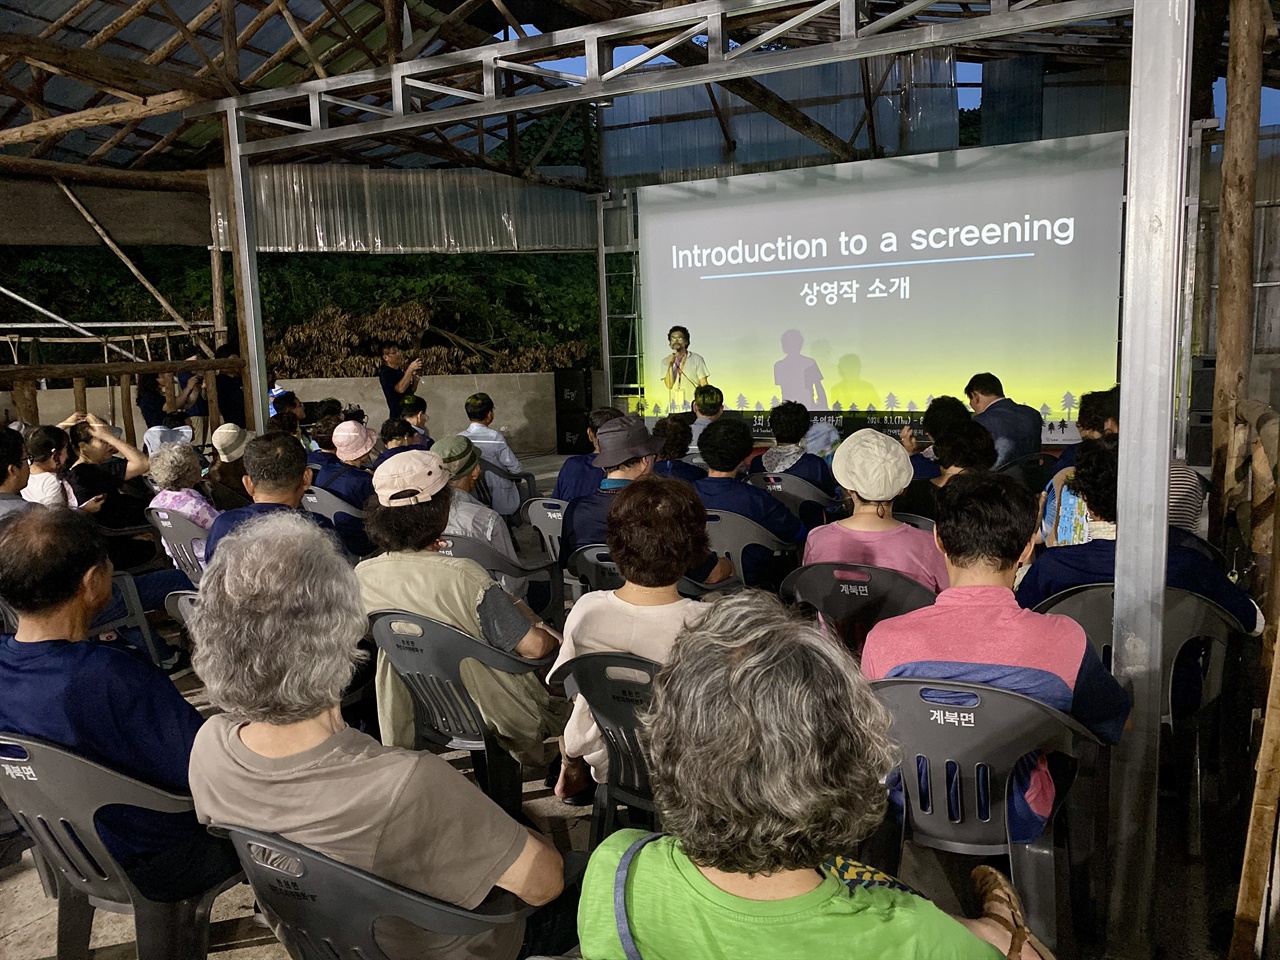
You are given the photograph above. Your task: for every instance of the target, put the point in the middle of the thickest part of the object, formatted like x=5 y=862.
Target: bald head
x=45 y=553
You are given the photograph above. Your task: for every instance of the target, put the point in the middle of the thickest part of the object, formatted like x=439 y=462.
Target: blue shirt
x=813 y=470
x=354 y=485
x=922 y=468
x=319 y=459
x=1067 y=458
x=579 y=477
x=732 y=496
x=111 y=705
x=228 y=520
x=679 y=470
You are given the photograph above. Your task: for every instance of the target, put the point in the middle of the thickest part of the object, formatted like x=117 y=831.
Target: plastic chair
x=594 y=567
x=854 y=597
x=328 y=505
x=497 y=563
x=617 y=687
x=135 y=616
x=56 y=795
x=969 y=752
x=427 y=655
x=1034 y=470
x=799 y=496
x=547 y=517
x=180 y=535
x=915 y=520
x=180 y=604
x=1188 y=617
x=524 y=478
x=731 y=534
x=326 y=910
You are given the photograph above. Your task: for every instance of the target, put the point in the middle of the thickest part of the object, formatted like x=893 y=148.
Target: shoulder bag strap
x=335 y=477
x=620 y=896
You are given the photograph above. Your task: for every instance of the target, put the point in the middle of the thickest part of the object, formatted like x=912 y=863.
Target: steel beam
x=594 y=42
x=1155 y=187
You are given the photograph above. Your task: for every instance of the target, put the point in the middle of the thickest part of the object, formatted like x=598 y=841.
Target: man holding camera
x=398 y=379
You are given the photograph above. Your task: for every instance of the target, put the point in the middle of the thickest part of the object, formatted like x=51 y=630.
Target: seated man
x=725 y=444
x=1014 y=426
x=976 y=633
x=105 y=702
x=708 y=407
x=350 y=480
x=324 y=455
x=579 y=475
x=277 y=638
x=789 y=422
x=397 y=436
x=941 y=414
x=16 y=469
x=405 y=520
x=1096 y=476
x=676 y=437
x=276 y=477
x=963 y=447
x=493 y=447
x=413 y=411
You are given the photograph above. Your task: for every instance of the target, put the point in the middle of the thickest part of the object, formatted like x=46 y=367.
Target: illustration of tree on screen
x=759 y=405
x=1045 y=411
x=773 y=402
x=836 y=406
x=871 y=408
x=928 y=400
x=1062 y=425
x=685 y=406
x=640 y=406
x=1053 y=428
x=742 y=402
x=1068 y=403
x=657 y=409
x=911 y=406
x=853 y=407
x=891 y=402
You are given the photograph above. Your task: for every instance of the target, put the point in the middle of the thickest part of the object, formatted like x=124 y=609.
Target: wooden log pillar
x=80 y=392
x=24 y=399
x=1235 y=239
x=126 y=409
x=211 y=395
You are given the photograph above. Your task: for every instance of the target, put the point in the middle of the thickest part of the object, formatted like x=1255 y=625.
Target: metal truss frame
x=465 y=85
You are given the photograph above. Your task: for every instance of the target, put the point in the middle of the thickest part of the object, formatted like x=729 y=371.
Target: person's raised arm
x=410 y=377
x=189 y=395
x=137 y=463
x=537 y=876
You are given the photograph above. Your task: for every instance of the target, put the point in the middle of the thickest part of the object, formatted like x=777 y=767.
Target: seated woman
x=767 y=751
x=657 y=530
x=874 y=468
x=226 y=473
x=108 y=467
x=277 y=636
x=676 y=436
x=50 y=451
x=789 y=422
x=175 y=468
x=964 y=447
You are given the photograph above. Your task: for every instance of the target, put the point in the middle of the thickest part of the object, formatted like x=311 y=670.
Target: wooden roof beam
x=186 y=181
x=100 y=116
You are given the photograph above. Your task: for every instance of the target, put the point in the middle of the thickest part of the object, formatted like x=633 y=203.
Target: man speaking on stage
x=685 y=371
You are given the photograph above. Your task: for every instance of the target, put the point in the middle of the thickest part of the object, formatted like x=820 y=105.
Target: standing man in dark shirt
x=398 y=379
x=230 y=388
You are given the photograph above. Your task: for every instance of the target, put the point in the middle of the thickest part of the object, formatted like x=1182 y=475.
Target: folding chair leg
x=1034 y=875
x=506 y=786
x=1195 y=790
x=172 y=931
x=75 y=922
x=599 y=816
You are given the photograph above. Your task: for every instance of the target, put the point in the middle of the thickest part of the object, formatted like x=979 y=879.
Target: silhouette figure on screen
x=852 y=387
x=798 y=376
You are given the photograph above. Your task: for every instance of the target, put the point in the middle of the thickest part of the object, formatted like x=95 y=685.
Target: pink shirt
x=905 y=549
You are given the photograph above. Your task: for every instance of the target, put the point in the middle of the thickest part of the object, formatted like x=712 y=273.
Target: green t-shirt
x=677 y=913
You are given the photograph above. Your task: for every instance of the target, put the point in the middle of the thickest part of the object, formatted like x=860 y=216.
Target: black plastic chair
x=969 y=753
x=547 y=517
x=180 y=535
x=801 y=497
x=326 y=910
x=523 y=479
x=617 y=687
x=56 y=795
x=915 y=520
x=1034 y=470
x=594 y=567
x=731 y=534
x=854 y=597
x=496 y=564
x=427 y=655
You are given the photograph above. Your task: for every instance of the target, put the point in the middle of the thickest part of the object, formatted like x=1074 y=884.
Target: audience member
x=405 y=520
x=976 y=633
x=174 y=428
x=229 y=388
x=398 y=377
x=962 y=448
x=109 y=467
x=766 y=752
x=348 y=478
x=725 y=445
x=579 y=474
x=17 y=469
x=657 y=531
x=468 y=517
x=1095 y=481
x=397 y=436
x=175 y=468
x=1015 y=427
x=329 y=407
x=104 y=702
x=153 y=400
x=1092 y=415
x=708 y=407
x=287 y=402
x=276 y=477
x=493 y=447
x=941 y=414
x=413 y=410
x=198 y=410
x=226 y=474
x=789 y=422
x=676 y=437
x=50 y=451
x=277 y=638
x=285 y=423
x=324 y=455
x=874 y=469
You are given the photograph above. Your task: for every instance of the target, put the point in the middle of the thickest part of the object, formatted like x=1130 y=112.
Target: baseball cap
x=458 y=454
x=873 y=465
x=409 y=478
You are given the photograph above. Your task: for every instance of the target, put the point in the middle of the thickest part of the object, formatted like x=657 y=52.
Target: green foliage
x=574 y=145
x=971 y=127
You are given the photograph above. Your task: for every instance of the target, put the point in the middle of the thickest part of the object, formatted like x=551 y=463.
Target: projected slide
x=879 y=285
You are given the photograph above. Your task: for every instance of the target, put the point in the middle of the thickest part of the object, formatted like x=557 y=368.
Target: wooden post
x=219 y=294
x=126 y=408
x=24 y=399
x=211 y=395
x=78 y=391
x=1235 y=237
x=170 y=391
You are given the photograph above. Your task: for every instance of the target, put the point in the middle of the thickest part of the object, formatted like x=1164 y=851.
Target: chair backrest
x=960 y=743
x=427 y=655
x=498 y=564
x=135 y=615
x=328 y=505
x=915 y=520
x=730 y=534
x=797 y=495
x=593 y=564
x=180 y=535
x=547 y=517
x=854 y=597
x=1033 y=470
x=326 y=910
x=523 y=479
x=181 y=604
x=56 y=794
x=617 y=687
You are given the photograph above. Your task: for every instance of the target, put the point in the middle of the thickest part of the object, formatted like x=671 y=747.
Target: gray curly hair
x=766 y=746
x=175 y=466
x=276 y=629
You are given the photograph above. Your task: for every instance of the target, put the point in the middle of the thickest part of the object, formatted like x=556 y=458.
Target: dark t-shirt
x=230 y=519
x=119 y=509
x=230 y=399
x=389 y=378
x=152 y=407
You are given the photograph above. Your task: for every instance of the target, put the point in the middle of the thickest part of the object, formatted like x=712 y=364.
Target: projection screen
x=880 y=284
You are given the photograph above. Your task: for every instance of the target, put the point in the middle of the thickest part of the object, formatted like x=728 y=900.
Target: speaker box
x=1200 y=440
x=571 y=432
x=1202 y=373
x=573 y=389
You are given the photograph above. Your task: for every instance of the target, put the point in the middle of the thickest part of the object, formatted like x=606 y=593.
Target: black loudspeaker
x=573 y=390
x=1202 y=373
x=571 y=431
